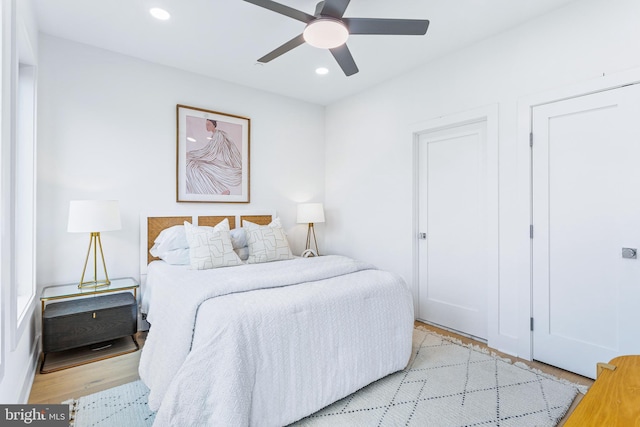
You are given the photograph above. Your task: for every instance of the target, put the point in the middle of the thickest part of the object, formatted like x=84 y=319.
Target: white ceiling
x=224 y=38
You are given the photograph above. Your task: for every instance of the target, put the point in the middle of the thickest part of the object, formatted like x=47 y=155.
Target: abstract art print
x=212 y=156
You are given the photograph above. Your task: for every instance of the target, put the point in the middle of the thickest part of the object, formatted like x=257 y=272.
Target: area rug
x=446 y=383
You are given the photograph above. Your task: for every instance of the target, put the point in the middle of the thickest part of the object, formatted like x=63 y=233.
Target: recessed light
x=160 y=14
x=191 y=139
x=322 y=71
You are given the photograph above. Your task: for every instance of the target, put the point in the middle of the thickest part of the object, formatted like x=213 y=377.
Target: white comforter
x=239 y=346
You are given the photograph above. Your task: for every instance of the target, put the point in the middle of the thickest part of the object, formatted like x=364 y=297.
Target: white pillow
x=169 y=239
x=267 y=243
x=243 y=253
x=176 y=256
x=239 y=238
x=210 y=247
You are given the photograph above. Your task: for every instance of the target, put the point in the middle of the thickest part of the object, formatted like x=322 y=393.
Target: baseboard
x=31 y=373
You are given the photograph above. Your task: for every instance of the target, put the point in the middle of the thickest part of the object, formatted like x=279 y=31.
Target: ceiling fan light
x=325 y=33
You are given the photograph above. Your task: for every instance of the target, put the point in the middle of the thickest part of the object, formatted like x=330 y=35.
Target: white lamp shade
x=310 y=212
x=93 y=216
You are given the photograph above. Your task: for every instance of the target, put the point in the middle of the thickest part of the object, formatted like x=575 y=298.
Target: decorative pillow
x=267 y=243
x=275 y=222
x=210 y=247
x=169 y=239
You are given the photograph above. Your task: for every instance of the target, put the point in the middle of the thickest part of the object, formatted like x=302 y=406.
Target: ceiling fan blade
x=344 y=59
x=408 y=27
x=334 y=8
x=291 y=44
x=283 y=10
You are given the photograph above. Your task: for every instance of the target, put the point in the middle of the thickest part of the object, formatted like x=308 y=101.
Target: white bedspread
x=238 y=346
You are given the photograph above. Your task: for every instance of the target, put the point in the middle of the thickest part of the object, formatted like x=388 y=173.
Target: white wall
x=369 y=164
x=107 y=130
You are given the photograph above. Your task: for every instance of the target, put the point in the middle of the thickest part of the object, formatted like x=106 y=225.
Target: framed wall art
x=212 y=157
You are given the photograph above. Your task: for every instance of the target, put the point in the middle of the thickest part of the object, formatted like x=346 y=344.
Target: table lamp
x=94 y=216
x=310 y=213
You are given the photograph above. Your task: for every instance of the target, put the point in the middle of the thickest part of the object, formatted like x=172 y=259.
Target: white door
x=452 y=221
x=586 y=209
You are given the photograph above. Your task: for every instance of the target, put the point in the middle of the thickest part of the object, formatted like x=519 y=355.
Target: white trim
x=6 y=37
x=524 y=128
x=34 y=359
x=490 y=115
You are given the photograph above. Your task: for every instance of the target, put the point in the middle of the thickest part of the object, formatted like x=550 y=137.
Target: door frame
x=488 y=114
x=525 y=185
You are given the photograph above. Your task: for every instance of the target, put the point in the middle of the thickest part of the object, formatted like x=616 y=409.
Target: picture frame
x=212 y=156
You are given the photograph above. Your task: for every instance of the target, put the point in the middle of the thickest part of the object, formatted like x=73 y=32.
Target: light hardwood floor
x=59 y=386
x=56 y=387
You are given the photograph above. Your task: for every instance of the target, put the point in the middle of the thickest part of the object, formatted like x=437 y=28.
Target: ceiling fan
x=328 y=29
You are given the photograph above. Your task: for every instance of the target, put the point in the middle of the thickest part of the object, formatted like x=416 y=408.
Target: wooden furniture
x=75 y=323
x=81 y=330
x=614 y=398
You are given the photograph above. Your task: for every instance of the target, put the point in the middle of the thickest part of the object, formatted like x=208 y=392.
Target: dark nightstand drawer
x=75 y=323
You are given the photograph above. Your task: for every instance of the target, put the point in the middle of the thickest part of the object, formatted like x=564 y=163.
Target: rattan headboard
x=257 y=219
x=156 y=224
x=151 y=226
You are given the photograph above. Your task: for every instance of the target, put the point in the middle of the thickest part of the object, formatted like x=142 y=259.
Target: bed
x=264 y=343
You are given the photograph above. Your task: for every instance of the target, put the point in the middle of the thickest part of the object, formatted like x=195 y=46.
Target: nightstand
x=83 y=325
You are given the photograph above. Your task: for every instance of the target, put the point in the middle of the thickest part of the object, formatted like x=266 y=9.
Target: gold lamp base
x=95 y=243
x=93 y=284
x=311 y=235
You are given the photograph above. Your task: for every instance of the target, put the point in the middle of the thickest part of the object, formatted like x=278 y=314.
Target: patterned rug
x=446 y=383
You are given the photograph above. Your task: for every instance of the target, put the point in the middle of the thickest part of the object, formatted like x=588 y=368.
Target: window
x=25 y=194
x=20 y=201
